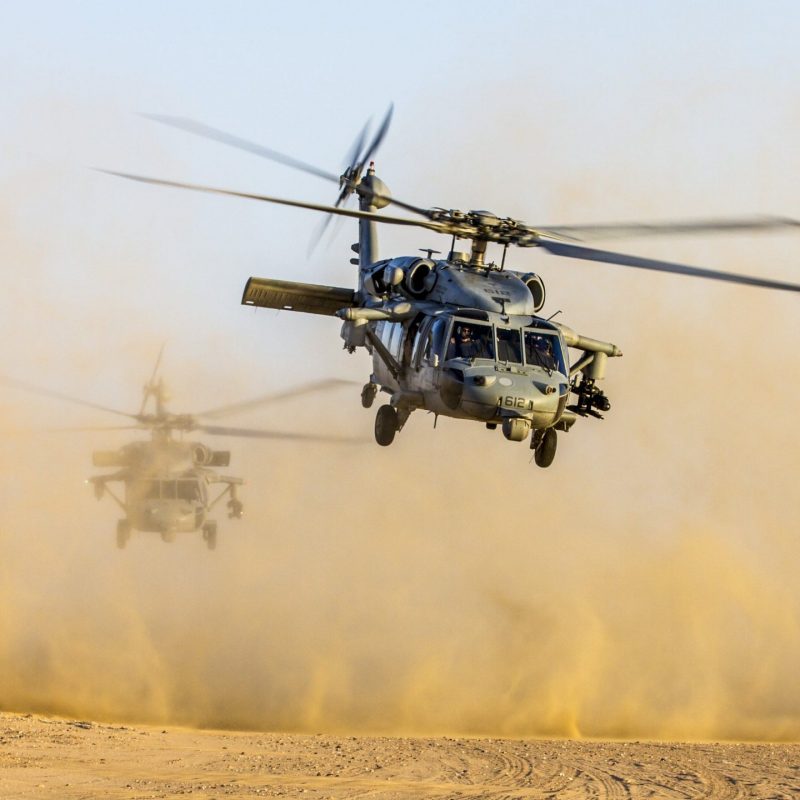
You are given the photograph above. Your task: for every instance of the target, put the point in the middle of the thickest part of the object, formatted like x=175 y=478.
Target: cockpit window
x=543 y=349
x=509 y=348
x=188 y=490
x=144 y=490
x=470 y=340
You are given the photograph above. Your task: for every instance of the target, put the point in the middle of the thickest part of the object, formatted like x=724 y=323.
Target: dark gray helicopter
x=462 y=336
x=169 y=482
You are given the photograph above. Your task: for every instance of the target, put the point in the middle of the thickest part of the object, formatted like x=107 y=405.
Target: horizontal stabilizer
x=310 y=298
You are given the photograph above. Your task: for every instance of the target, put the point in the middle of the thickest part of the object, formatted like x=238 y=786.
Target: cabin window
x=509 y=346
x=470 y=340
x=395 y=338
x=391 y=334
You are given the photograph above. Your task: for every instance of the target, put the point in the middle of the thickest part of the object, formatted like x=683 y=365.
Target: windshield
x=170 y=490
x=188 y=490
x=508 y=345
x=543 y=349
x=471 y=340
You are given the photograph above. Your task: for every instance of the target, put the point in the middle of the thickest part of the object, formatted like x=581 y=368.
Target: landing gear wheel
x=386 y=425
x=210 y=534
x=123 y=533
x=235 y=509
x=545 y=451
x=368 y=394
x=168 y=536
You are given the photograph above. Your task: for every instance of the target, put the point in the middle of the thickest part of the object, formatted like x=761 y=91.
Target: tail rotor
x=350 y=181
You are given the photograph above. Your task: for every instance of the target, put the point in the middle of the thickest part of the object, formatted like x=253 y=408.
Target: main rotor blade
x=86 y=428
x=207 y=132
x=628 y=229
x=588 y=254
x=353 y=158
x=29 y=387
x=298 y=391
x=250 y=433
x=344 y=212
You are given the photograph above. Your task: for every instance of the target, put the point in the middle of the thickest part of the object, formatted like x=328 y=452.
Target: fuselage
x=476 y=365
x=167 y=503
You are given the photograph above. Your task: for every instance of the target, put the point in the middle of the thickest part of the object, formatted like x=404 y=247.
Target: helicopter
x=461 y=336
x=169 y=484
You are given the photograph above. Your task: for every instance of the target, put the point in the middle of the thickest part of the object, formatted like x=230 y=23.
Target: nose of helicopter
x=167 y=516
x=502 y=394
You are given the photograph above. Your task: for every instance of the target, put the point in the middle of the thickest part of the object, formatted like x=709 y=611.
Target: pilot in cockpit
x=544 y=352
x=465 y=345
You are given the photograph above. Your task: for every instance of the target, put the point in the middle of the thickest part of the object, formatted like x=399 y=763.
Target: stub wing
x=310 y=298
x=101 y=480
x=227 y=479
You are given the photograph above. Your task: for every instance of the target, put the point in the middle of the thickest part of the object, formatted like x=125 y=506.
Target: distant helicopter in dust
x=461 y=336
x=168 y=482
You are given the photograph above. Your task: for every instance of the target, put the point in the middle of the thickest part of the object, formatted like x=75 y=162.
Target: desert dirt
x=42 y=757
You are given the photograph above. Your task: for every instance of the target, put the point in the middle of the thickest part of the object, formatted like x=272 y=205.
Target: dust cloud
x=644 y=586
x=444 y=586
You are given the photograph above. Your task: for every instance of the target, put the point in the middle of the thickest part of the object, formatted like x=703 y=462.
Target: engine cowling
x=419 y=277
x=203 y=456
x=536 y=287
x=220 y=458
x=415 y=277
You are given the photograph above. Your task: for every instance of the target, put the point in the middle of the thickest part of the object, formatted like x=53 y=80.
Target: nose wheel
x=544 y=444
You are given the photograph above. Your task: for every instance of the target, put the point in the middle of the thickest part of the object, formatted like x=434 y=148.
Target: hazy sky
x=556 y=113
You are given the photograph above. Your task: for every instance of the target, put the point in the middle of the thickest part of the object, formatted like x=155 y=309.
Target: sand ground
x=43 y=757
